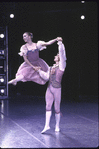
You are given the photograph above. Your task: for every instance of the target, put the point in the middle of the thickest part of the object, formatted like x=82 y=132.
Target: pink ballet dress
x=28 y=72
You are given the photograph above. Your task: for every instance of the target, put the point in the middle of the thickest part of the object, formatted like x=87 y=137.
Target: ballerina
x=27 y=71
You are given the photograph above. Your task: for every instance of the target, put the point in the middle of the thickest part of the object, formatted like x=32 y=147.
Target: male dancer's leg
x=57 y=101
x=49 y=98
x=49 y=101
x=57 y=95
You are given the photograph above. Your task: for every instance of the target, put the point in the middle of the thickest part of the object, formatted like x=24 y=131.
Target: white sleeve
x=62 y=55
x=23 y=50
x=39 y=45
x=44 y=75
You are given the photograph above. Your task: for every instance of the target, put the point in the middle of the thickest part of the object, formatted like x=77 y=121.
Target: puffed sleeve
x=41 y=45
x=23 y=50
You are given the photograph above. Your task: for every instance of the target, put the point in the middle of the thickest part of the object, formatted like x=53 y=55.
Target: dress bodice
x=33 y=55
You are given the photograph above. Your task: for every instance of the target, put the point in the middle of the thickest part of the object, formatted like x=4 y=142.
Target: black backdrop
x=48 y=20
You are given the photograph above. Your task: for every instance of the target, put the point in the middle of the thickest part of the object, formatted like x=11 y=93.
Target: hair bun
x=31 y=35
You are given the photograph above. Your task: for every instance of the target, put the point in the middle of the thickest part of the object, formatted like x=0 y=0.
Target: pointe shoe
x=14 y=82
x=57 y=129
x=45 y=129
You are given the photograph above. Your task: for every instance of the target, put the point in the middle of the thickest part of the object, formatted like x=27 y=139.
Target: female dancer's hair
x=30 y=34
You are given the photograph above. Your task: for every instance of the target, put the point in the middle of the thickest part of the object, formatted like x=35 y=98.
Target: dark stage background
x=48 y=20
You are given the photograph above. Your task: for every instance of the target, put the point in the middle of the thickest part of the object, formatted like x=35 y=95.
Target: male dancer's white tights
x=52 y=95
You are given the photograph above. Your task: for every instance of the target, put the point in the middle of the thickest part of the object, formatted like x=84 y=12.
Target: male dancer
x=53 y=92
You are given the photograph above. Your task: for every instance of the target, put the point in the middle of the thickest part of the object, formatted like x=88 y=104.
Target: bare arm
x=52 y=41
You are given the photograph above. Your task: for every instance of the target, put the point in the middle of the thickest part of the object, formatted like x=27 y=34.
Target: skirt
x=30 y=74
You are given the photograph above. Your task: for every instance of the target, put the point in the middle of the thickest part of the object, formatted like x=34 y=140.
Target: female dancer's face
x=26 y=37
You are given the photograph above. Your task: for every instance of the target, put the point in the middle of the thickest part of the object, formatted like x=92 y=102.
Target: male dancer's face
x=56 y=58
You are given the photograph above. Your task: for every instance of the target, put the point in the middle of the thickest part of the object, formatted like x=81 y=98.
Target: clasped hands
x=36 y=68
x=59 y=38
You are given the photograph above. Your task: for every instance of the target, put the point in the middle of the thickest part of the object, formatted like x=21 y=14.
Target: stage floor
x=22 y=119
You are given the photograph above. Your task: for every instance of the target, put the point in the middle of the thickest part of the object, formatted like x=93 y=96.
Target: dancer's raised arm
x=42 y=44
x=52 y=41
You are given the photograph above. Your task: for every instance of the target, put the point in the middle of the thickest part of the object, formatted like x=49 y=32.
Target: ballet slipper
x=57 y=129
x=14 y=82
x=45 y=129
x=47 y=121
